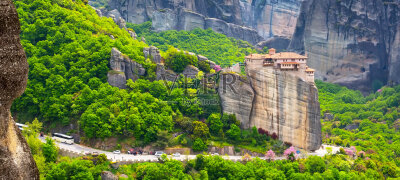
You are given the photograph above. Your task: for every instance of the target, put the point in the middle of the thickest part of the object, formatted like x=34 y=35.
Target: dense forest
x=216 y=47
x=68 y=48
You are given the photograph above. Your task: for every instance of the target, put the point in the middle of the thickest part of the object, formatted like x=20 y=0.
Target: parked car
x=177 y=154
x=94 y=153
x=159 y=153
x=117 y=152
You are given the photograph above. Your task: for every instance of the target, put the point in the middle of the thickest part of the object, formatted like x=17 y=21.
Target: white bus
x=63 y=138
x=21 y=126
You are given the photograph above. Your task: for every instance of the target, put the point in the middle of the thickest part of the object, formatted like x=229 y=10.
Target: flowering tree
x=290 y=153
x=217 y=68
x=246 y=157
x=353 y=149
x=270 y=155
x=361 y=154
x=349 y=152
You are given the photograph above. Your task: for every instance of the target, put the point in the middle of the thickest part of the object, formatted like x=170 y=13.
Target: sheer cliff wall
x=350 y=42
x=275 y=101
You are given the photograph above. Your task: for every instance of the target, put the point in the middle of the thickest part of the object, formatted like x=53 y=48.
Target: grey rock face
x=169 y=75
x=16 y=161
x=133 y=34
x=278 y=43
x=190 y=71
x=268 y=17
x=114 y=14
x=116 y=79
x=394 y=60
x=236 y=95
x=349 y=42
x=121 y=23
x=164 y=74
x=274 y=101
x=182 y=19
x=153 y=53
x=271 y=18
x=328 y=116
x=107 y=175
x=122 y=69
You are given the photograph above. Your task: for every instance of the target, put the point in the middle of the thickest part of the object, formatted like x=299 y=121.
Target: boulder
x=122 y=69
x=153 y=53
x=190 y=71
x=114 y=14
x=107 y=175
x=164 y=74
x=124 y=176
x=133 y=34
x=121 y=23
x=16 y=161
x=328 y=116
x=351 y=127
x=116 y=79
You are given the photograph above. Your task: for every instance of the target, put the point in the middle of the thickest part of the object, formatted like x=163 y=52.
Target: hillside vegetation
x=375 y=120
x=217 y=47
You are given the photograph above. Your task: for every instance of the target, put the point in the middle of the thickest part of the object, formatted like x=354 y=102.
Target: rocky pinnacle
x=16 y=161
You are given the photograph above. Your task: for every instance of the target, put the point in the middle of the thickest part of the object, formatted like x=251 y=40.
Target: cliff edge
x=16 y=161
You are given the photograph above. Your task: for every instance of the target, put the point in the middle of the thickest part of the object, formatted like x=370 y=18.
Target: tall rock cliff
x=350 y=42
x=271 y=18
x=275 y=101
x=16 y=161
x=263 y=18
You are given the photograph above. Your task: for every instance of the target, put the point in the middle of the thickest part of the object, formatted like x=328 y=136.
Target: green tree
x=200 y=130
x=214 y=120
x=50 y=151
x=33 y=128
x=315 y=164
x=199 y=145
x=234 y=132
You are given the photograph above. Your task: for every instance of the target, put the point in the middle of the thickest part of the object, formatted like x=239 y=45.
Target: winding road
x=79 y=149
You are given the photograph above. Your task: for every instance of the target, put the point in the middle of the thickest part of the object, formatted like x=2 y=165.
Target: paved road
x=77 y=148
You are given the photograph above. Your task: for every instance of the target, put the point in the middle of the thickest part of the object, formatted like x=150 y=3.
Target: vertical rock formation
x=271 y=18
x=187 y=20
x=263 y=18
x=153 y=53
x=236 y=95
x=16 y=161
x=394 y=60
x=122 y=69
x=350 y=42
x=275 y=101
